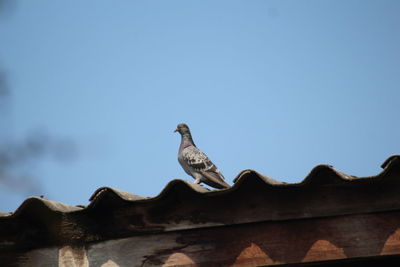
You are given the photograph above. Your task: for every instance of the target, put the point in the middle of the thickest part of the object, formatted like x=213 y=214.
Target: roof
x=182 y=205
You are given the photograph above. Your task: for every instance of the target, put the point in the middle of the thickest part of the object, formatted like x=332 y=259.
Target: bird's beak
x=176 y=130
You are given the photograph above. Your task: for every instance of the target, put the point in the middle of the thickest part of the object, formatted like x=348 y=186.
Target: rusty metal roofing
x=182 y=205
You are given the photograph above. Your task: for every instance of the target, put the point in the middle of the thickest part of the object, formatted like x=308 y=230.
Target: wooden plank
x=268 y=243
x=254 y=244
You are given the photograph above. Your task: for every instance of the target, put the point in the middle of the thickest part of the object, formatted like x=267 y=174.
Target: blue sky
x=275 y=86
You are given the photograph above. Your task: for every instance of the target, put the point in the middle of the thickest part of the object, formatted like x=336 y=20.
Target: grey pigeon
x=196 y=163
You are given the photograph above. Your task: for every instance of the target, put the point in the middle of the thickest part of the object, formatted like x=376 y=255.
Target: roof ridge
x=320 y=174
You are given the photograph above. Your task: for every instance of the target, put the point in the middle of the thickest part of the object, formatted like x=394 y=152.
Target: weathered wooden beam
x=255 y=244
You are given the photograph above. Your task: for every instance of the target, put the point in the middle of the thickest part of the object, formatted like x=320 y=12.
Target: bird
x=195 y=163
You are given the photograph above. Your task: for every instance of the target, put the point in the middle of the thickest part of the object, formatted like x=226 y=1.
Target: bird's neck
x=186 y=140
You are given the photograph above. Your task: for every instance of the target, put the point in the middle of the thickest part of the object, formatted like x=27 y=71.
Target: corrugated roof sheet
x=182 y=205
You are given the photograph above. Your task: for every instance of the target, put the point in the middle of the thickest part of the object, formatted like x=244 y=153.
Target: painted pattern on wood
x=255 y=244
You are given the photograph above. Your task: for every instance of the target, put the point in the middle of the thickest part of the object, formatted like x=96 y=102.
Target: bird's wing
x=198 y=161
x=215 y=179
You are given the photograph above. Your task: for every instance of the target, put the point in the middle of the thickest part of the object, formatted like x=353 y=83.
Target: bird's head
x=182 y=129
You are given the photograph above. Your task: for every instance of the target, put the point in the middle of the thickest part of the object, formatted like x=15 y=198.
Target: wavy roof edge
x=318 y=175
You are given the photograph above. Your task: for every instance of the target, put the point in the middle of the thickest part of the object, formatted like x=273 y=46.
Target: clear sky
x=275 y=86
